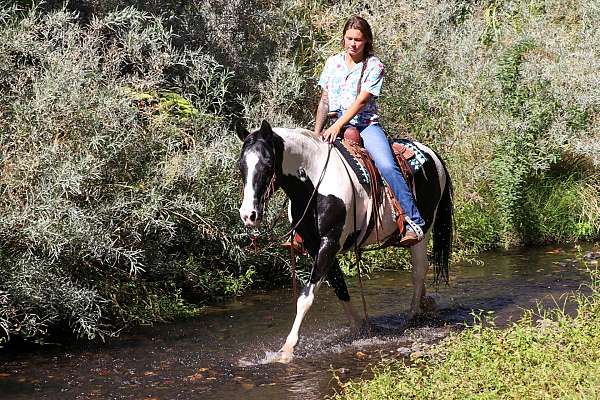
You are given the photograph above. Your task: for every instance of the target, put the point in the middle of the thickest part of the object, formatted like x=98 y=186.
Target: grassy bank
x=545 y=355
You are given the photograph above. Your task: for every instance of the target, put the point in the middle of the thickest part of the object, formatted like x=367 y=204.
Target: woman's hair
x=361 y=24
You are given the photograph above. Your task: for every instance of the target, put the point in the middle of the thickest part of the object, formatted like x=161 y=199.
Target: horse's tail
x=443 y=231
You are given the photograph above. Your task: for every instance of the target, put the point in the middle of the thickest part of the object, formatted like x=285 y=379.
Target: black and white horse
x=339 y=210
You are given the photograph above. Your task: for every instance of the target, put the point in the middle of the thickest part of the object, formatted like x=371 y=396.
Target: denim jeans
x=376 y=143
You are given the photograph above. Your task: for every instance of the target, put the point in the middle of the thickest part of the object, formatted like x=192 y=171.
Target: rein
x=312 y=195
x=292 y=231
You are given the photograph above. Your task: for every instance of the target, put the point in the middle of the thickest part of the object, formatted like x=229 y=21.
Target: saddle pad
x=357 y=167
x=416 y=162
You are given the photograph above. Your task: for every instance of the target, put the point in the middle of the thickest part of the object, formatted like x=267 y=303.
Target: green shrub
x=108 y=179
x=563 y=208
x=117 y=168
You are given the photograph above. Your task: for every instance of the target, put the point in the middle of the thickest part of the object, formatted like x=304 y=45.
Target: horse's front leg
x=420 y=265
x=326 y=253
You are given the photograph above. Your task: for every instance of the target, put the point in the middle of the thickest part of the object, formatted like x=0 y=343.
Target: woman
x=351 y=82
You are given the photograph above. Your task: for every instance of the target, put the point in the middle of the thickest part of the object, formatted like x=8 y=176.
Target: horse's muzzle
x=250 y=218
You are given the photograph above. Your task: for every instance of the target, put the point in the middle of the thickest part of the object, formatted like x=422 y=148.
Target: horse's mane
x=297 y=131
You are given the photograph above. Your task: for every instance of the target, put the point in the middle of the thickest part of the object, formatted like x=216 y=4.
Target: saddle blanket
x=416 y=162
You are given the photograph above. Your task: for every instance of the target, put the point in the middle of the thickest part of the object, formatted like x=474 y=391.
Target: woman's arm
x=322 y=111
x=361 y=100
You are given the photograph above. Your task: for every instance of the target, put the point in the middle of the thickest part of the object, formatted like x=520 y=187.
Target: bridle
x=272 y=185
x=271 y=188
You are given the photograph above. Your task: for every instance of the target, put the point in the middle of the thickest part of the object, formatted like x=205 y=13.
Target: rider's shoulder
x=374 y=62
x=336 y=58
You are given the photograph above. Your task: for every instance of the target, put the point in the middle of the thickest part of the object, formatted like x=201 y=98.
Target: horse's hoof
x=285 y=357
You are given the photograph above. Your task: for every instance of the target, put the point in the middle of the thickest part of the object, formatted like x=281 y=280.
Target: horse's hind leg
x=420 y=265
x=335 y=277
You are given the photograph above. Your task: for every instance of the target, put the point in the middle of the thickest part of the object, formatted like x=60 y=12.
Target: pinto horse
x=330 y=210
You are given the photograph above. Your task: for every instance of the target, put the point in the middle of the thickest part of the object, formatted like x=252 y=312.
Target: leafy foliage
x=118 y=180
x=109 y=179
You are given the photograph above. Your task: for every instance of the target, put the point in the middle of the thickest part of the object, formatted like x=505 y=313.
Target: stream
x=227 y=353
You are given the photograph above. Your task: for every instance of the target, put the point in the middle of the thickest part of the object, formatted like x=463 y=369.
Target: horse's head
x=257 y=164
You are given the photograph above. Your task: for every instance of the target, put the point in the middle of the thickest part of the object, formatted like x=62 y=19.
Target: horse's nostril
x=253 y=216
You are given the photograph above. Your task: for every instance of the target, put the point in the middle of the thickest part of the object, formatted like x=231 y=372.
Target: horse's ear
x=241 y=131
x=265 y=127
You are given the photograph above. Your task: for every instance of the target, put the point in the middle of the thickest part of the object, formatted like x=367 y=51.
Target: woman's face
x=354 y=43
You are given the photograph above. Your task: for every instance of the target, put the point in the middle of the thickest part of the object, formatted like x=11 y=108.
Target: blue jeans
x=376 y=143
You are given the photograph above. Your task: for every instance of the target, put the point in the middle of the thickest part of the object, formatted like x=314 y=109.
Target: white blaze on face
x=247 y=208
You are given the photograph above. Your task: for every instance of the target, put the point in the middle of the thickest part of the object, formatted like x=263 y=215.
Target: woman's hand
x=331 y=133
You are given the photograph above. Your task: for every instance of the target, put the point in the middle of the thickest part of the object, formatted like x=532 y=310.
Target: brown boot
x=409 y=239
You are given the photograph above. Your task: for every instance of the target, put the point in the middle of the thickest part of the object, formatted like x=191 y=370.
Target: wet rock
x=561 y=264
x=103 y=372
x=360 y=355
x=197 y=377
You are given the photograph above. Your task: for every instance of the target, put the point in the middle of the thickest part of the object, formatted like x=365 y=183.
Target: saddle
x=352 y=149
x=351 y=145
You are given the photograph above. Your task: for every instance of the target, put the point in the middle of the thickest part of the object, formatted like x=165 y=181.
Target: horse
x=329 y=209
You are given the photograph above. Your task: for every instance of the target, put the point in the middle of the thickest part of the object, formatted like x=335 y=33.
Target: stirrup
x=413 y=235
x=416 y=228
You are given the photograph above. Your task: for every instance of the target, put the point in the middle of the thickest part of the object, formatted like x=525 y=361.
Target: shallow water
x=228 y=352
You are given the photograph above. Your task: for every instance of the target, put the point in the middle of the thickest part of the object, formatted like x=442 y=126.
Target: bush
x=515 y=118
x=111 y=183
x=118 y=171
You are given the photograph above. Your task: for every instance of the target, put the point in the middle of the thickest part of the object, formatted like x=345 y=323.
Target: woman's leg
x=376 y=143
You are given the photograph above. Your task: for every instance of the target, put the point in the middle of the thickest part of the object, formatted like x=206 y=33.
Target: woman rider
x=340 y=82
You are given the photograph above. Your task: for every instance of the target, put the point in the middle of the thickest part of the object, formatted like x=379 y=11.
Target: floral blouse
x=341 y=84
